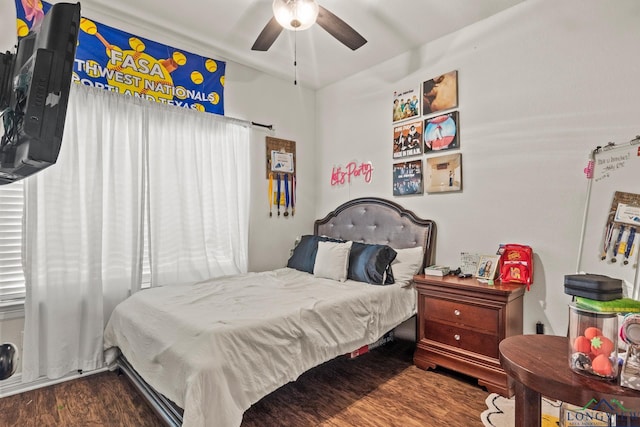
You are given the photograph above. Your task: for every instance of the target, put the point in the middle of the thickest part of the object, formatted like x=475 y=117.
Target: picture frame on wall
x=407 y=178
x=281 y=162
x=406 y=104
x=407 y=139
x=444 y=173
x=487 y=267
x=440 y=93
x=441 y=132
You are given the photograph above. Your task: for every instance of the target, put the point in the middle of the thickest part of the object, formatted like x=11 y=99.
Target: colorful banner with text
x=121 y=62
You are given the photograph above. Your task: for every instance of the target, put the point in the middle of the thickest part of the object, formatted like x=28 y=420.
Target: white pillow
x=407 y=264
x=332 y=260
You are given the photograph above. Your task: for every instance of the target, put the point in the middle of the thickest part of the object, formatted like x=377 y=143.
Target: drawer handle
x=456 y=312
x=457 y=337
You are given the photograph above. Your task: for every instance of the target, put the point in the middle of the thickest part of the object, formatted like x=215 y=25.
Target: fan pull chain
x=295 y=57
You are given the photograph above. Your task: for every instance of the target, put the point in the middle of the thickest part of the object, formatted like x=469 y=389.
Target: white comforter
x=218 y=346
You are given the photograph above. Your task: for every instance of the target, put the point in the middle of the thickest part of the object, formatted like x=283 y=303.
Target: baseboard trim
x=14 y=385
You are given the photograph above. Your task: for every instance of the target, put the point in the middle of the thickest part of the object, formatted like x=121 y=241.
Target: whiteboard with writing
x=614 y=190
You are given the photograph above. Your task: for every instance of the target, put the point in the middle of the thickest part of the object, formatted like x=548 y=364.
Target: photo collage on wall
x=429 y=125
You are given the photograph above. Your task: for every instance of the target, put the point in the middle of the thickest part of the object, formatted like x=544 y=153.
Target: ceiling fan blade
x=269 y=34
x=340 y=29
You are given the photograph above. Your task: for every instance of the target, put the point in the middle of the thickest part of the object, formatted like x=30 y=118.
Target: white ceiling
x=226 y=30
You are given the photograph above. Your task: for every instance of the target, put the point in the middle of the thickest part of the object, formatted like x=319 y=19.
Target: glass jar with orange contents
x=593 y=343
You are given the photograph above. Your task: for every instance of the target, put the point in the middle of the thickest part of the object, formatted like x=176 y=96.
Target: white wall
x=252 y=95
x=7 y=25
x=540 y=85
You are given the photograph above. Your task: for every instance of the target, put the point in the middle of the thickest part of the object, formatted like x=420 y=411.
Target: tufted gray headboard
x=378 y=221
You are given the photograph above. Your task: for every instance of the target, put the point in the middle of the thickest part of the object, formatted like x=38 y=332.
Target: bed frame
x=378 y=221
x=368 y=220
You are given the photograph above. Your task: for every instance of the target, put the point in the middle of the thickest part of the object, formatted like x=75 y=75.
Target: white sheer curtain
x=83 y=230
x=198 y=196
x=84 y=216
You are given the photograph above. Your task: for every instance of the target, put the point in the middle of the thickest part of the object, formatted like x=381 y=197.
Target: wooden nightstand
x=461 y=323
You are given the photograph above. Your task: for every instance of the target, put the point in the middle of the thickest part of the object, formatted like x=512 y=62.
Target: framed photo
x=487 y=266
x=444 y=173
x=440 y=93
x=407 y=178
x=281 y=162
x=407 y=139
x=406 y=104
x=441 y=132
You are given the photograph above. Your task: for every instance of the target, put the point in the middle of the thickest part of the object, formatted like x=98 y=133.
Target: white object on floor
x=500 y=412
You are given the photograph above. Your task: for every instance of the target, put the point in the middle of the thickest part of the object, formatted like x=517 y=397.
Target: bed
x=203 y=353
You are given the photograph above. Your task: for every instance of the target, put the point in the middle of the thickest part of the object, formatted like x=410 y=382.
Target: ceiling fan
x=301 y=14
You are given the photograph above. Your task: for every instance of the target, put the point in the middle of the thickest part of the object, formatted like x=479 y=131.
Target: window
x=225 y=179
x=12 y=284
x=12 y=288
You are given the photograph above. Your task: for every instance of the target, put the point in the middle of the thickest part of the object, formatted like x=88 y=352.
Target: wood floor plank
x=379 y=389
x=104 y=399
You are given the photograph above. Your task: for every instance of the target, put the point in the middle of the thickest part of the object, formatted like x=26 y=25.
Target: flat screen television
x=34 y=92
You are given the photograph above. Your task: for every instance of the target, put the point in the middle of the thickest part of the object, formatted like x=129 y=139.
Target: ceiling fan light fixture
x=295 y=14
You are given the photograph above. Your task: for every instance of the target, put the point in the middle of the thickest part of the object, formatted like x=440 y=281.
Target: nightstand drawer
x=476 y=317
x=465 y=339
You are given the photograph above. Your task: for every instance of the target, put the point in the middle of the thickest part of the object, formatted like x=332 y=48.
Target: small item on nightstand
x=469 y=262
x=436 y=270
x=516 y=264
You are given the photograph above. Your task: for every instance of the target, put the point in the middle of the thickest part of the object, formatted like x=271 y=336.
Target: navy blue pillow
x=304 y=254
x=368 y=263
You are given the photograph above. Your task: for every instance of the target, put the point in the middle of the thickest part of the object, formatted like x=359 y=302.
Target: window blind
x=12 y=286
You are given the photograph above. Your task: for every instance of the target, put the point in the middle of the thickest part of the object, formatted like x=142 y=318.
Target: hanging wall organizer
x=281 y=174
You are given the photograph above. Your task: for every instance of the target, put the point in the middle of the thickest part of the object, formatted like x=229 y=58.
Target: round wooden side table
x=539 y=366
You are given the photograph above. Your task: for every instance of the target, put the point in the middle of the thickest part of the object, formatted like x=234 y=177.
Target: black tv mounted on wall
x=34 y=92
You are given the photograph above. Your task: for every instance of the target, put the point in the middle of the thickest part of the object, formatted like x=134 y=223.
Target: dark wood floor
x=381 y=388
